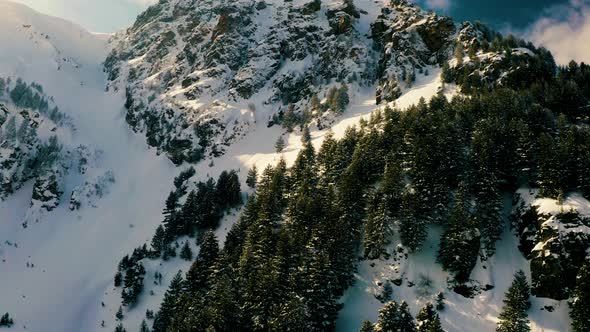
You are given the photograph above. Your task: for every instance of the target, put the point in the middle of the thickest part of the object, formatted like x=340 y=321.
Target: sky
x=563 y=26
x=94 y=15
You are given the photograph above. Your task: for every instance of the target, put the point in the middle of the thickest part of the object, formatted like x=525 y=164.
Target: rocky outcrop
x=557 y=245
x=181 y=56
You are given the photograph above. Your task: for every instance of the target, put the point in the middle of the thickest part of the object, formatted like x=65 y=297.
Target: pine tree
x=230 y=192
x=198 y=277
x=6 y=320
x=159 y=240
x=460 y=243
x=446 y=74
x=386 y=292
x=428 y=320
x=144 y=327
x=580 y=304
x=321 y=296
x=440 y=301
x=488 y=206
x=120 y=328
x=342 y=99
x=186 y=219
x=279 y=144
x=377 y=228
x=227 y=190
x=412 y=229
x=180 y=180
x=407 y=323
x=149 y=314
x=224 y=306
x=293 y=316
x=210 y=204
x=186 y=253
x=410 y=77
x=367 y=327
x=305 y=135
x=395 y=318
x=119 y=314
x=392 y=187
x=169 y=304
x=513 y=317
x=252 y=177
x=171 y=219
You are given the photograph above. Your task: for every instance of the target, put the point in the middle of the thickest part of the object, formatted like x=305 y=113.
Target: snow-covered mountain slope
x=55 y=271
x=57 y=274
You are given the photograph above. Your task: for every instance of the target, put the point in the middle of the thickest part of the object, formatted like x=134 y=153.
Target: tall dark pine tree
x=209 y=210
x=392 y=187
x=428 y=319
x=580 y=304
x=412 y=229
x=406 y=323
x=293 y=315
x=168 y=306
x=327 y=159
x=133 y=283
x=159 y=240
x=144 y=327
x=389 y=318
x=171 y=220
x=321 y=296
x=187 y=217
x=460 y=243
x=252 y=177
x=377 y=227
x=224 y=306
x=514 y=317
x=199 y=275
x=228 y=189
x=395 y=317
x=488 y=205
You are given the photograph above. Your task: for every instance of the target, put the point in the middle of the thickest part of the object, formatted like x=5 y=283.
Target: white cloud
x=565 y=31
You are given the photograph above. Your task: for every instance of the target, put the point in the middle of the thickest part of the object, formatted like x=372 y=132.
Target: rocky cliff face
x=198 y=74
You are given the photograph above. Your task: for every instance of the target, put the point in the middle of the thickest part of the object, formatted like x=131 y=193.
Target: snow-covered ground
x=74 y=254
x=55 y=273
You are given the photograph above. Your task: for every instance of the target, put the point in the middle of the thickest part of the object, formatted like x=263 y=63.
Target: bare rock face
x=409 y=39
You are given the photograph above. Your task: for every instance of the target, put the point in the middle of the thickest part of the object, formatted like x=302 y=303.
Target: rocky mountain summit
x=198 y=74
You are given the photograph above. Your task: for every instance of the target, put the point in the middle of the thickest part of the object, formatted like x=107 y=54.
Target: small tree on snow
x=513 y=317
x=279 y=144
x=119 y=314
x=186 y=253
x=6 y=320
x=252 y=177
